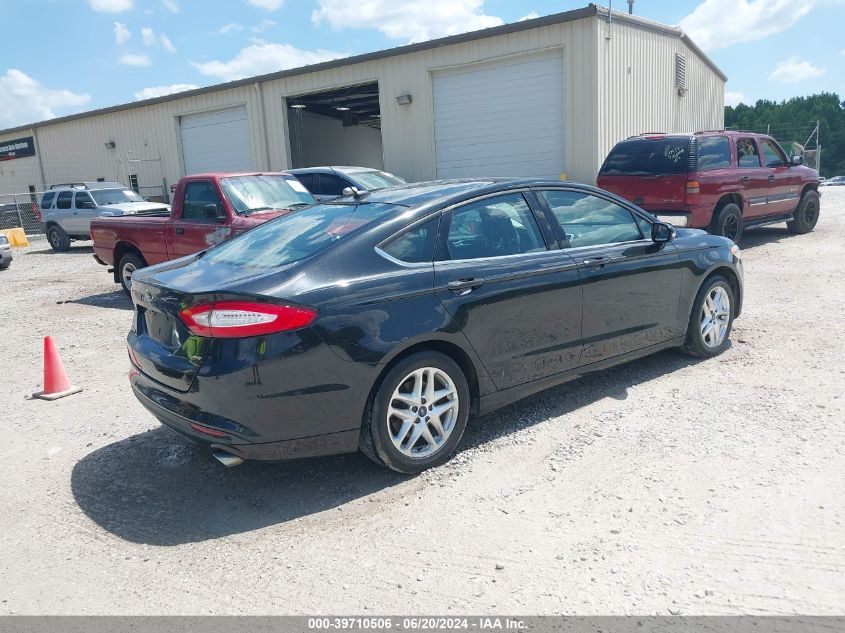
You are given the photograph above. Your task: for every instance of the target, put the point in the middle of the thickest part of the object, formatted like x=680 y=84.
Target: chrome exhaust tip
x=227 y=459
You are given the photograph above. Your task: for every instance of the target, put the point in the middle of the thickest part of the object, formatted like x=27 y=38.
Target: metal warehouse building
x=542 y=97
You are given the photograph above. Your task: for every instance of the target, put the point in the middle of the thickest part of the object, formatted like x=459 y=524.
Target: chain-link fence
x=21 y=211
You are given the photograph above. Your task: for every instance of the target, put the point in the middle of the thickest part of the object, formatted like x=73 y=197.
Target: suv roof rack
x=69 y=184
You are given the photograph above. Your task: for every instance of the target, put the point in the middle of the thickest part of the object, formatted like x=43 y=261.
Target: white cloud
x=160 y=91
x=529 y=16
x=151 y=39
x=25 y=100
x=149 y=36
x=733 y=98
x=265 y=24
x=171 y=6
x=794 y=70
x=121 y=33
x=718 y=24
x=228 y=28
x=406 y=19
x=260 y=58
x=134 y=60
x=270 y=5
x=111 y=6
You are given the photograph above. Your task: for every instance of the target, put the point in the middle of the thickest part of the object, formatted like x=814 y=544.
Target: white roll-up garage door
x=502 y=118
x=216 y=141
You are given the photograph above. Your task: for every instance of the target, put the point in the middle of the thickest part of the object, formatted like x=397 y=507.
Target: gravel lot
x=668 y=485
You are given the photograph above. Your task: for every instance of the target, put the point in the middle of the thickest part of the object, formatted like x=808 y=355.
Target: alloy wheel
x=715 y=316
x=731 y=229
x=811 y=212
x=126 y=273
x=422 y=412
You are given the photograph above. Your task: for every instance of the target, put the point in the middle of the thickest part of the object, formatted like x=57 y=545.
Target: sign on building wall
x=18 y=148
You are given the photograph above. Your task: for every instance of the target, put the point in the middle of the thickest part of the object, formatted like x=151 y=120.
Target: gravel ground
x=667 y=485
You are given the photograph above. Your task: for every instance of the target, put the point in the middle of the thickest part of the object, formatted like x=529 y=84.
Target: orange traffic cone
x=56 y=383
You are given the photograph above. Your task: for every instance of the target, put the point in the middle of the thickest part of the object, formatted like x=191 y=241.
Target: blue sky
x=65 y=56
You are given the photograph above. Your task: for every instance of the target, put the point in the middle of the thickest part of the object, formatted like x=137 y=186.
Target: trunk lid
x=160 y=344
x=652 y=193
x=650 y=171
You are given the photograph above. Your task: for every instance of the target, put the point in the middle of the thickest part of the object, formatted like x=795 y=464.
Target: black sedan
x=382 y=321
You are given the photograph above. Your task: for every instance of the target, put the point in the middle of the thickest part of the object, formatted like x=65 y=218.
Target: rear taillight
x=237 y=319
x=693 y=186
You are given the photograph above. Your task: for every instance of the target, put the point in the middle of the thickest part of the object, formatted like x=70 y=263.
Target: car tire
x=398 y=430
x=711 y=319
x=129 y=263
x=727 y=222
x=59 y=240
x=806 y=214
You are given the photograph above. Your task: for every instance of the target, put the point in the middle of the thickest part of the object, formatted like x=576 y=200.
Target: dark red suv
x=721 y=181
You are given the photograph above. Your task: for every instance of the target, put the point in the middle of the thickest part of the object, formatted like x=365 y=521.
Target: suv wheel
x=728 y=223
x=129 y=263
x=59 y=240
x=418 y=414
x=806 y=214
x=711 y=319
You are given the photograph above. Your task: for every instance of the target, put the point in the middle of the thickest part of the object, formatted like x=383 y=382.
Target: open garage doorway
x=336 y=127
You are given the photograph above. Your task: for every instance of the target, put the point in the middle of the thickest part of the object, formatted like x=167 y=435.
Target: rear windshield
x=297 y=235
x=648 y=157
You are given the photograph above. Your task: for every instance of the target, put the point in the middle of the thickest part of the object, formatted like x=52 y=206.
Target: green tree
x=793 y=120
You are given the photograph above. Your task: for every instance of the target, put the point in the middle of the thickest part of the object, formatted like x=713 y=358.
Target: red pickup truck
x=207 y=209
x=722 y=181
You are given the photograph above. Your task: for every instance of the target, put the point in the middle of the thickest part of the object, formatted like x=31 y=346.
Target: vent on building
x=680 y=73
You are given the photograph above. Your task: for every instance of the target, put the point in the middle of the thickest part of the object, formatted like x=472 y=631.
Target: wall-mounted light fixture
x=298 y=106
x=110 y=144
x=404 y=99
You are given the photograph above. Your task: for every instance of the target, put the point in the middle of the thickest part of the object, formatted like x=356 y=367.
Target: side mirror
x=662 y=233
x=797 y=160
x=86 y=204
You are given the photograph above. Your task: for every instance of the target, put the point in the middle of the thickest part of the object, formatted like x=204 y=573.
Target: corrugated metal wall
x=637 y=89
x=612 y=88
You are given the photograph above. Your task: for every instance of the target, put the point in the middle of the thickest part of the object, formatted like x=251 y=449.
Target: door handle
x=464 y=286
x=595 y=262
x=744 y=179
x=771 y=177
x=179 y=230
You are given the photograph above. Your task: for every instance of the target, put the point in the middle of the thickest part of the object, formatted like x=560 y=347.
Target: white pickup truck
x=67 y=210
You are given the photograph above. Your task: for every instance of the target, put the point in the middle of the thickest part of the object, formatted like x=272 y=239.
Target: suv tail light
x=238 y=319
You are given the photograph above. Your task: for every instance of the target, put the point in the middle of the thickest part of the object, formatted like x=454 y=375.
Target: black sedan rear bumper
x=314 y=446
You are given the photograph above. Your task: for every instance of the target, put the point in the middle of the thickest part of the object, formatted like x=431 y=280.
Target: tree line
x=793 y=121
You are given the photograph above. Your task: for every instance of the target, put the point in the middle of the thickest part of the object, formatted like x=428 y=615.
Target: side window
x=81 y=198
x=415 y=245
x=64 y=200
x=588 y=220
x=773 y=156
x=197 y=196
x=307 y=181
x=494 y=227
x=331 y=185
x=47 y=200
x=746 y=153
x=714 y=152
